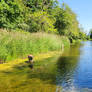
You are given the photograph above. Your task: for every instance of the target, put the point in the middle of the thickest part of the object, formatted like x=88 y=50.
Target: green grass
x=19 y=44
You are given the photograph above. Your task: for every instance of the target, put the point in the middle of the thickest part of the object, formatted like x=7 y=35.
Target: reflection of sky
x=83 y=9
x=83 y=77
x=79 y=75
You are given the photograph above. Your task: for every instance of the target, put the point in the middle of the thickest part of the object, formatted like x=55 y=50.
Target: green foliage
x=66 y=22
x=82 y=36
x=36 y=5
x=11 y=13
x=3 y=53
x=90 y=33
x=62 y=21
x=41 y=21
x=18 y=44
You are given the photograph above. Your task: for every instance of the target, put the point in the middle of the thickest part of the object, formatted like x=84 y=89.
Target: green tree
x=41 y=21
x=90 y=33
x=82 y=36
x=11 y=13
x=66 y=22
x=43 y=5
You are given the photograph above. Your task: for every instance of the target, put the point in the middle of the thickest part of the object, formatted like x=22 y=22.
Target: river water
x=71 y=72
x=74 y=68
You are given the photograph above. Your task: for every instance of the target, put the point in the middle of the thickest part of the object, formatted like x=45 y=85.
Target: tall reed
x=18 y=44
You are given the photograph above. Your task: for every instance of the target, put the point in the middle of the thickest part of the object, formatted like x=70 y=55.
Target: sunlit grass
x=19 y=44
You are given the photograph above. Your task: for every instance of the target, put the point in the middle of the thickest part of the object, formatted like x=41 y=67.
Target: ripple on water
x=75 y=69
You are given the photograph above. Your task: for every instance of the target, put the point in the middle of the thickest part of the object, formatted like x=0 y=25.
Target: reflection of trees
x=73 y=51
x=66 y=66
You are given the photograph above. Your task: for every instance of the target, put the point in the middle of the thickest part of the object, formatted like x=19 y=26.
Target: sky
x=83 y=9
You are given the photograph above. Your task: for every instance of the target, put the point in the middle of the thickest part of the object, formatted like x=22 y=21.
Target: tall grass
x=18 y=44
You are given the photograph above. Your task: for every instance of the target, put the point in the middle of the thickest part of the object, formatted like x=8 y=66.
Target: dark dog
x=30 y=58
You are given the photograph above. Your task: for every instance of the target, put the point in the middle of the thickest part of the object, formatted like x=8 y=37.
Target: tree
x=66 y=22
x=41 y=21
x=11 y=13
x=90 y=33
x=42 y=5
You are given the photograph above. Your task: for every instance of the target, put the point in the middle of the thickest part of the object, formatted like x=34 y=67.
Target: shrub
x=41 y=21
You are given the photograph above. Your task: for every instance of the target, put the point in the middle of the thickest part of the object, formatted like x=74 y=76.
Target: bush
x=41 y=21
x=11 y=13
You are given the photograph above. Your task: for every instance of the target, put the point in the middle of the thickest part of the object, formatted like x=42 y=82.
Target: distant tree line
x=90 y=33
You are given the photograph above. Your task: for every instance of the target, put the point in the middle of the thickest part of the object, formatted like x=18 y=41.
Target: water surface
x=75 y=68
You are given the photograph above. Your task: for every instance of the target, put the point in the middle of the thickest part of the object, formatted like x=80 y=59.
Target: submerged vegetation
x=18 y=77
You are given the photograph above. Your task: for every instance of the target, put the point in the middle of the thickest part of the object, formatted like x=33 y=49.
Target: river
x=69 y=72
x=74 y=68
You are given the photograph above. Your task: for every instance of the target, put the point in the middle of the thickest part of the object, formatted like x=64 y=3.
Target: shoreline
x=37 y=58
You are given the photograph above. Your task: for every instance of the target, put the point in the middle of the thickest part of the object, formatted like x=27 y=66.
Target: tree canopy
x=39 y=15
x=90 y=33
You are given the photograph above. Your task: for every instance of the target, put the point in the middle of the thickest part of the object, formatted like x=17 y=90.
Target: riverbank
x=37 y=58
x=15 y=45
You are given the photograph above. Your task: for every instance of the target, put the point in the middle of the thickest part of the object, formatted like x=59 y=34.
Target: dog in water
x=30 y=58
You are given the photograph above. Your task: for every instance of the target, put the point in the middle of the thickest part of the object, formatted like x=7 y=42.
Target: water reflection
x=75 y=68
x=66 y=67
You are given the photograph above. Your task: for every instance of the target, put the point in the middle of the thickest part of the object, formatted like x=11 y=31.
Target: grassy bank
x=19 y=44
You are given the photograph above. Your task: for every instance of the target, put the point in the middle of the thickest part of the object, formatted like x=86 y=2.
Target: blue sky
x=83 y=9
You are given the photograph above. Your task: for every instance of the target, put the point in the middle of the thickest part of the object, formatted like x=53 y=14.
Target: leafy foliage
x=43 y=5
x=41 y=21
x=90 y=33
x=82 y=36
x=39 y=15
x=66 y=22
x=11 y=13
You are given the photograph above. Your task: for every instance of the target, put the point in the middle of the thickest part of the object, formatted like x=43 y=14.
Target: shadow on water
x=66 y=66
